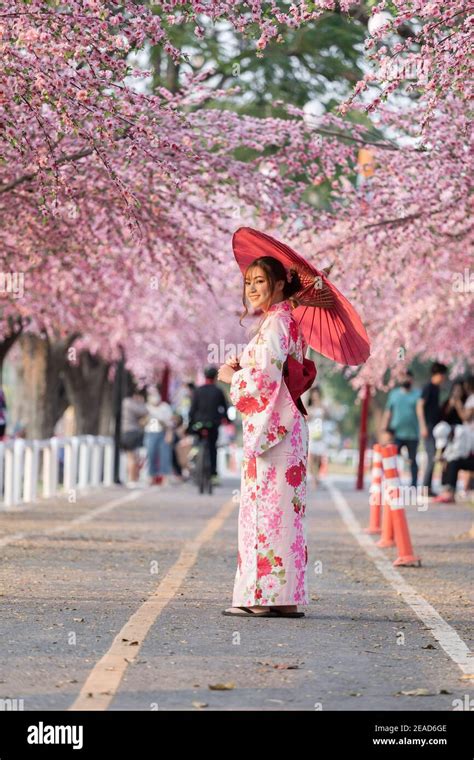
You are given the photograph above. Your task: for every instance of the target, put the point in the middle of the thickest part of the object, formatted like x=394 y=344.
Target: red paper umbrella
x=329 y=323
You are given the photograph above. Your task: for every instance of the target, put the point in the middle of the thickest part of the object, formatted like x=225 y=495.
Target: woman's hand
x=233 y=361
x=225 y=373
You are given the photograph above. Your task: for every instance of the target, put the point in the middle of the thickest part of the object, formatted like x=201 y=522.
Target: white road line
x=104 y=679
x=449 y=639
x=86 y=517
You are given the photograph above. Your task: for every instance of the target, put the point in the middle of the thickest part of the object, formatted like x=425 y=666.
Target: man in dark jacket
x=428 y=410
x=209 y=406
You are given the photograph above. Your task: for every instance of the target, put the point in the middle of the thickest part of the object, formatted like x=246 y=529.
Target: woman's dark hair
x=135 y=390
x=132 y=387
x=274 y=271
x=460 y=384
x=469 y=383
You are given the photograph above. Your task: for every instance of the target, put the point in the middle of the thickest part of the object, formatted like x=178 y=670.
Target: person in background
x=134 y=416
x=227 y=434
x=469 y=391
x=3 y=413
x=182 y=399
x=209 y=406
x=453 y=408
x=158 y=437
x=451 y=412
x=183 y=448
x=316 y=447
x=186 y=401
x=179 y=433
x=458 y=452
x=400 y=420
x=191 y=387
x=429 y=414
x=468 y=410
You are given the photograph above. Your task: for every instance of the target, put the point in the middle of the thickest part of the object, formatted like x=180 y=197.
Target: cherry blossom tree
x=120 y=201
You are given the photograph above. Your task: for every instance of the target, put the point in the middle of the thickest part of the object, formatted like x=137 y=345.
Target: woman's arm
x=256 y=390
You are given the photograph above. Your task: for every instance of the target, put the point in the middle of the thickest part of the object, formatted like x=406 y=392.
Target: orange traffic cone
x=406 y=556
x=375 y=499
x=387 y=524
x=323 y=468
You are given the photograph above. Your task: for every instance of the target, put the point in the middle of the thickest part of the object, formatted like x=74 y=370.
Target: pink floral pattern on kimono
x=272 y=553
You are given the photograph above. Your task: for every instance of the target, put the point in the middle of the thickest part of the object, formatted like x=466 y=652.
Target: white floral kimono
x=272 y=551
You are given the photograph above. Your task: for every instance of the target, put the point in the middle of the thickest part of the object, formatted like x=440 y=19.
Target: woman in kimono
x=272 y=554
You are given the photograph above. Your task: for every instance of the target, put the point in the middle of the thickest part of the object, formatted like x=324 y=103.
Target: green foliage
x=320 y=61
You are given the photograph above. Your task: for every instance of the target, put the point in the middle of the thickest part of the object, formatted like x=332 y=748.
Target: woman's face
x=257 y=289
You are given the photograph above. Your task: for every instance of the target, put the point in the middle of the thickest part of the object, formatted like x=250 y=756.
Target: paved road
x=115 y=602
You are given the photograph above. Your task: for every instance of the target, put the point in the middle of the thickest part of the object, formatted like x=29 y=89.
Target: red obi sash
x=298 y=378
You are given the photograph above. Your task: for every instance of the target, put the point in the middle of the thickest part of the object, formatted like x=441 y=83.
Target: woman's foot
x=237 y=610
x=446 y=497
x=258 y=610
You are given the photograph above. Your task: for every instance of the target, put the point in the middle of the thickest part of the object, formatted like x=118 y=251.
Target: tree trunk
x=172 y=75
x=85 y=385
x=43 y=394
x=106 y=420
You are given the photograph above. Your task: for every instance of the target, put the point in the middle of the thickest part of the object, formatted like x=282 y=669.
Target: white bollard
x=85 y=455
x=14 y=456
x=71 y=450
x=96 y=462
x=9 y=475
x=108 y=462
x=18 y=469
x=51 y=467
x=88 y=460
x=31 y=470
